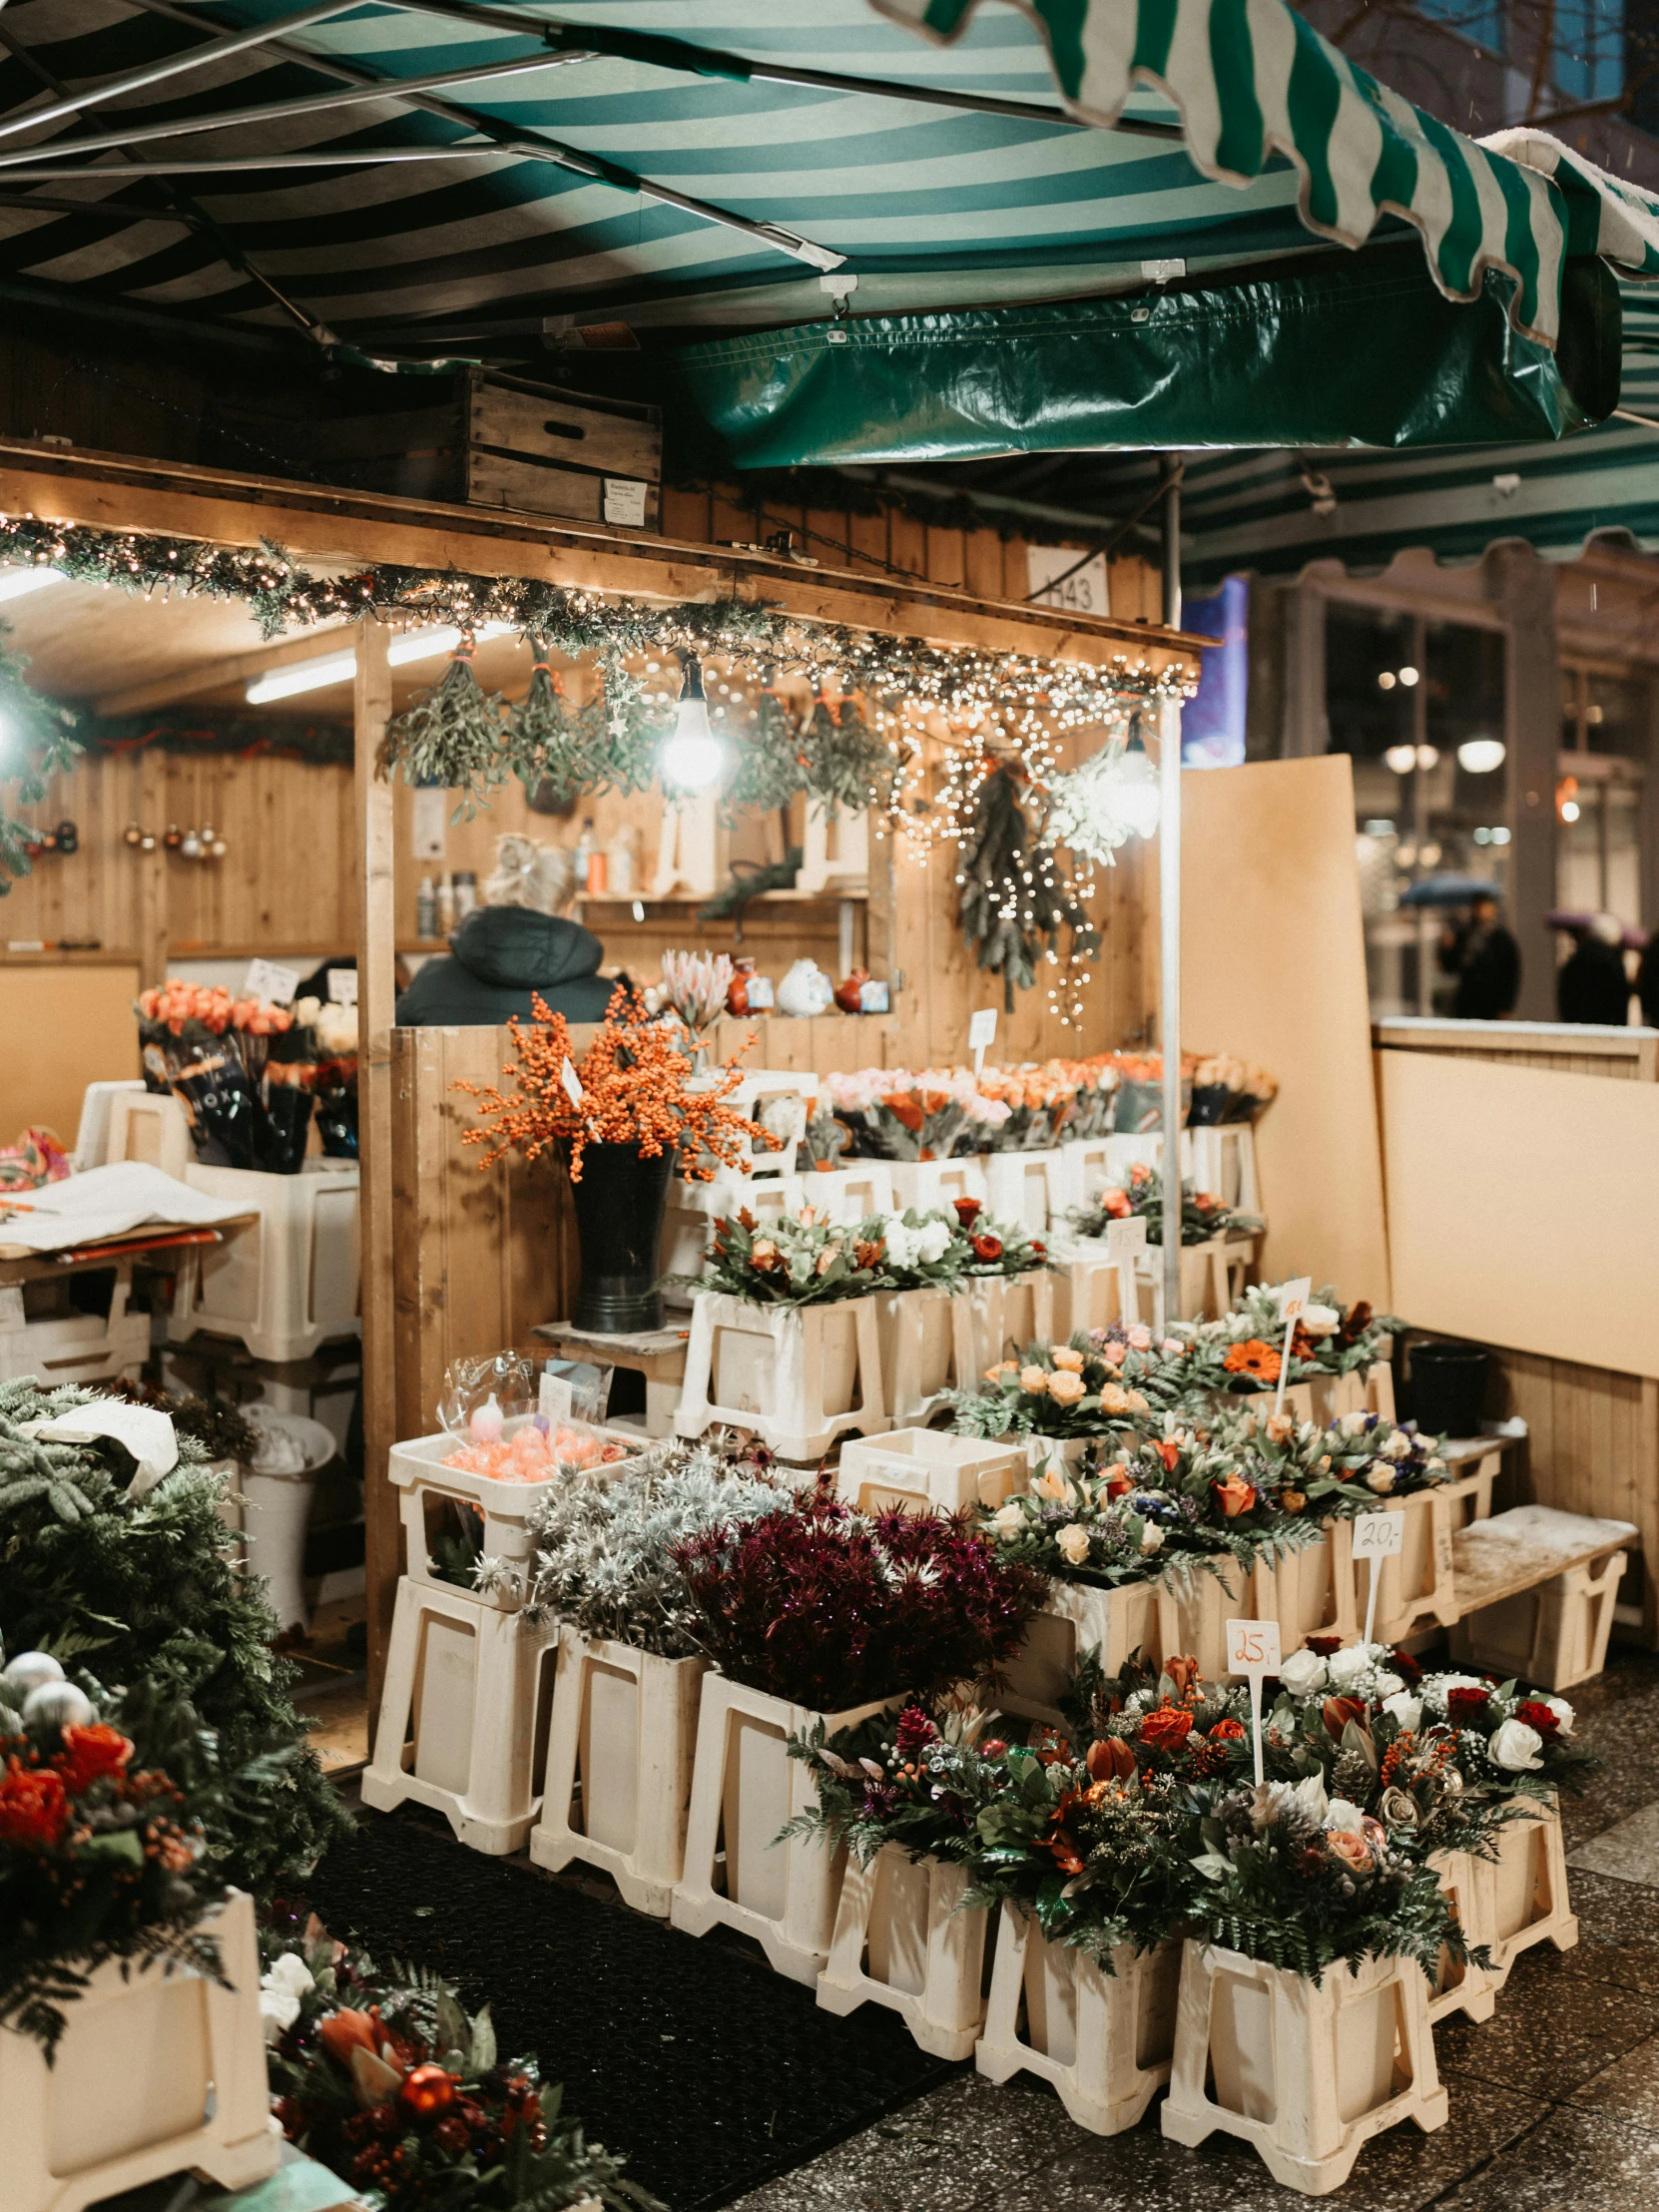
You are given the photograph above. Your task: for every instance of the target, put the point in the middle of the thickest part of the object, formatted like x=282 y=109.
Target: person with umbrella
x=1482 y=953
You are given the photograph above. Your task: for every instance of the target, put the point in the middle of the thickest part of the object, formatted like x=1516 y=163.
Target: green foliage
x=452 y=735
x=1015 y=902
x=35 y=745
x=147 y=1587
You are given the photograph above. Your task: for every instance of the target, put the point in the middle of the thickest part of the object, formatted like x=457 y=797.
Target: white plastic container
x=275 y=1510
x=694 y=1207
x=148 y=1125
x=933 y=1186
x=289 y=1281
x=800 y=1376
x=929 y=1470
x=75 y=1348
x=901 y=1940
x=1024 y=1187
x=851 y=1192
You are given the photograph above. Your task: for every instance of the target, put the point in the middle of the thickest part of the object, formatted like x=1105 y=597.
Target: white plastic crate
x=92 y=1136
x=694 y=1207
x=287 y=1282
x=150 y=1126
x=74 y=1348
x=1024 y=1187
x=851 y=1192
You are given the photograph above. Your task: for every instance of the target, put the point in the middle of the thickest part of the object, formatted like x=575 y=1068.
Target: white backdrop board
x=1272 y=967
x=1523 y=1207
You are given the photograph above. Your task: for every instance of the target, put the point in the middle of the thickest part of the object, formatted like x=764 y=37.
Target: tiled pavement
x=1555 y=2100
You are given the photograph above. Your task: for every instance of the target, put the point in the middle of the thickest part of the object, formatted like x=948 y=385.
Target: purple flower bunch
x=829 y=1608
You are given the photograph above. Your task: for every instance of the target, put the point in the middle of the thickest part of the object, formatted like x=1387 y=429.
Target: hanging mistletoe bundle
x=1015 y=902
x=846 y=763
x=452 y=735
x=770 y=765
x=546 y=744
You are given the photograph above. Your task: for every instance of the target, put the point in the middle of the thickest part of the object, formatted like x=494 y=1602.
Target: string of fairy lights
x=919 y=727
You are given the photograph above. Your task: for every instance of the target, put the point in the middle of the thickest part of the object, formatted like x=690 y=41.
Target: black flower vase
x=619 y=1218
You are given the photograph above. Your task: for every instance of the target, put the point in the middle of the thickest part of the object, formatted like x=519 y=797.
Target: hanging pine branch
x=35 y=745
x=846 y=761
x=452 y=735
x=770 y=765
x=1015 y=902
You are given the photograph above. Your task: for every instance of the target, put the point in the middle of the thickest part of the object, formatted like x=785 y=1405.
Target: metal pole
x=1169 y=897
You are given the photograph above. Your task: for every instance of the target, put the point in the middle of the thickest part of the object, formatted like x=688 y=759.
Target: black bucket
x=1449 y=1387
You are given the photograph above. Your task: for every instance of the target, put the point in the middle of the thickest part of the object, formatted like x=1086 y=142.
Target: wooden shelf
x=678 y=900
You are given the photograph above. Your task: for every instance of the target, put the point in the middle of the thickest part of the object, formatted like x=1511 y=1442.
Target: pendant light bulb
x=1135 y=798
x=693 y=757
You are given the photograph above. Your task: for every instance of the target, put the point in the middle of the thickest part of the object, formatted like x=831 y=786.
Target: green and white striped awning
x=687 y=165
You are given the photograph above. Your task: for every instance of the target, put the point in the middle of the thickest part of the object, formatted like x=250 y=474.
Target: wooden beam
x=376 y=990
x=211 y=675
x=112 y=491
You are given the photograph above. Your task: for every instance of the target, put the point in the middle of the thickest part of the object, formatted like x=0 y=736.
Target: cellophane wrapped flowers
x=829 y=1608
x=1202 y=1215
x=892 y=1114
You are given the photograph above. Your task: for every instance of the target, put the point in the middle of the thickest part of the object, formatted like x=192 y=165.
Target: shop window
x=1599 y=789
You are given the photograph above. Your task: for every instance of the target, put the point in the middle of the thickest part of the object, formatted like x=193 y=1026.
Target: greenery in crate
x=1343 y=1469
x=829 y=1608
x=1095 y=1386
x=997 y=1248
x=604 y=1551
x=1202 y=1216
x=107 y=1800
x=384 y=2079
x=1243 y=1350
x=142 y=1580
x=800 y=1258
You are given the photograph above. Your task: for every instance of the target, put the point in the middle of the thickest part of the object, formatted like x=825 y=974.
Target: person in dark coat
x=1488 y=967
x=1591 y=984
x=516 y=945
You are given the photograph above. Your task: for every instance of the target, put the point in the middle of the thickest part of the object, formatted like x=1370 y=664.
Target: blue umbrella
x=1449 y=891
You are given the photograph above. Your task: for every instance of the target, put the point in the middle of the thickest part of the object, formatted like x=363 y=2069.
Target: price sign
x=981 y=1032
x=1378 y=1537
x=1124 y=1239
x=571 y=1081
x=274 y=985
x=1252 y=1650
x=1292 y=1297
x=553 y=1391
x=625 y=502
x=342 y=986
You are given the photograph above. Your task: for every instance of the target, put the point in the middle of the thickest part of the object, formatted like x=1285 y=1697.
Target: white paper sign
x=1293 y=1297
x=982 y=1030
x=571 y=1081
x=553 y=1391
x=1085 y=591
x=1125 y=1238
x=268 y=981
x=1252 y=1650
x=625 y=502
x=1379 y=1535
x=431 y=820
x=342 y=986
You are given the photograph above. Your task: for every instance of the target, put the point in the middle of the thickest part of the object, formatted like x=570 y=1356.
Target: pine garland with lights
x=1014 y=900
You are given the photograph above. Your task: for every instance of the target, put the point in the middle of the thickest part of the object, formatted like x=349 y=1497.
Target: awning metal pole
x=1169 y=897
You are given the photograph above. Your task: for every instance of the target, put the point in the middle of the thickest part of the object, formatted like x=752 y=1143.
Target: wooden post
x=376 y=992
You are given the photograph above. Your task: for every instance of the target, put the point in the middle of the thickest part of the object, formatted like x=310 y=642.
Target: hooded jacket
x=497 y=958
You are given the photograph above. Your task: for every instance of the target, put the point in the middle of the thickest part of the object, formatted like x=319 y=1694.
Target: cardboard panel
x=1521 y=1206
x=66 y=1027
x=1272 y=967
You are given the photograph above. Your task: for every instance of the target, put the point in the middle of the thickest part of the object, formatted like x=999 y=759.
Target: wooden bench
x=1535 y=1590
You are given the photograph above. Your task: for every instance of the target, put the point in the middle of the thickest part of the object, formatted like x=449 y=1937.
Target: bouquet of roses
x=1040 y=1102
x=1094 y=1523
x=890 y=1114
x=1225 y=1088
x=1340 y=1470
x=1243 y=1350
x=800 y=1259
x=1511 y=1741
x=1139 y=1104
x=1056 y=1391
x=1094 y=1083
x=1202 y=1214
x=995 y=1247
x=915 y=1775
x=919 y=1250
x=386 y=2080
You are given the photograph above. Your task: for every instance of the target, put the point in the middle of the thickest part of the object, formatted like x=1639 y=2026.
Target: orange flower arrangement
x=1255 y=1357
x=635 y=1086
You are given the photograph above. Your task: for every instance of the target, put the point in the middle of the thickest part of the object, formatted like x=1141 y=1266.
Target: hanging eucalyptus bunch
x=1015 y=901
x=771 y=768
x=452 y=735
x=845 y=763
x=547 y=744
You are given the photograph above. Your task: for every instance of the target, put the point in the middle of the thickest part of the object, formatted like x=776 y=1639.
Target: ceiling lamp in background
x=1480 y=755
x=340 y=668
x=1110 y=799
x=17 y=583
x=693 y=757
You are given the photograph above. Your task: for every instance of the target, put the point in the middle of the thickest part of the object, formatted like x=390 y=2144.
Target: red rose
x=34 y=1810
x=1227 y=1732
x=1119 y=1486
x=1166 y=1728
x=1406 y=1667
x=1326 y=1645
x=1039 y=1251
x=1464 y=1708
x=1536 y=1715
x=988 y=1248
x=91 y=1753
x=968 y=1211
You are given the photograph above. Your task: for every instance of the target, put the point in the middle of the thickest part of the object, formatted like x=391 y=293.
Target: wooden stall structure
x=497 y=1249
x=1522 y=1172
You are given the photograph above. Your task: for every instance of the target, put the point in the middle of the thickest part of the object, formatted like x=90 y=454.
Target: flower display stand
x=835 y=852
x=74 y=1346
x=1090 y=1289
x=694 y=1207
x=463 y=1715
x=1361 y=1390
x=157 y=2073
x=1078 y=1617
x=1523 y=1894
x=618 y=1765
x=928 y=1469
x=901 y=1940
x=926 y=1340
x=1310 y=1592
x=1085 y=1170
x=427 y=1490
x=1059 y=1451
x=1105 y=2041
x=744 y=1788
x=1194 y=1610
x=1418 y=1587
x=1024 y=1187
x=1307 y=2074
x=851 y=1192
x=289 y=1282
x=1535 y=1593
x=1212 y=1276
x=933 y=1186
x=800 y=1376
x=1460 y=1985
x=1009 y=1311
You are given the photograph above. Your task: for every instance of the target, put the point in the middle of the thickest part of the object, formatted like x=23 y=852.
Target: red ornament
x=427 y=2091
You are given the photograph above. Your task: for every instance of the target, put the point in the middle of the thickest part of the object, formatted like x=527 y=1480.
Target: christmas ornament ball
x=28 y=1671
x=58 y=1705
x=427 y=2090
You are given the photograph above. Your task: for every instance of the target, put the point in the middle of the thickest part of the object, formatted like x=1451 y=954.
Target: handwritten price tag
x=553 y=1393
x=342 y=986
x=1252 y=1650
x=1293 y=1297
x=1124 y=1239
x=268 y=981
x=982 y=1030
x=1380 y=1535
x=571 y=1081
